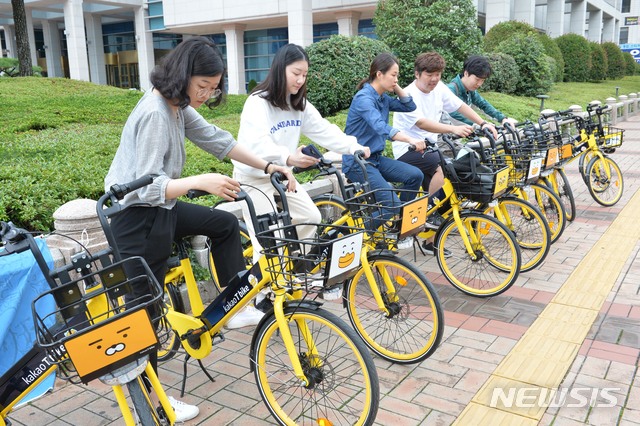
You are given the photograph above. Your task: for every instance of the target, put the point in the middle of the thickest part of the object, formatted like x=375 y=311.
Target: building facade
x=118 y=42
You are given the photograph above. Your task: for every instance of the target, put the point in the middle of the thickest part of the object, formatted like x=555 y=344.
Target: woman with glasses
x=153 y=143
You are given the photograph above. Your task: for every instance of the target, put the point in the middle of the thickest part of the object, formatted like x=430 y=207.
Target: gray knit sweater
x=153 y=142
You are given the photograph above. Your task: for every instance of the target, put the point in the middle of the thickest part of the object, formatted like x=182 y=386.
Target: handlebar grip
x=195 y=193
x=359 y=154
x=412 y=148
x=120 y=190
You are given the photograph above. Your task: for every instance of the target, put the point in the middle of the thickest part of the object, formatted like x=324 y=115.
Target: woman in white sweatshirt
x=274 y=117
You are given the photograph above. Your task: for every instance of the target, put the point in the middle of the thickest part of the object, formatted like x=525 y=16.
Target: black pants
x=150 y=231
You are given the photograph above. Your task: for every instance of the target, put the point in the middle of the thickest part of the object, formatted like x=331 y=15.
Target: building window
x=259 y=49
x=155 y=14
x=322 y=31
x=624 y=35
x=119 y=37
x=367 y=28
x=626 y=6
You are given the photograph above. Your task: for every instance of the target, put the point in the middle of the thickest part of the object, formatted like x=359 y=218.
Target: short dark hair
x=274 y=87
x=196 y=56
x=430 y=62
x=477 y=65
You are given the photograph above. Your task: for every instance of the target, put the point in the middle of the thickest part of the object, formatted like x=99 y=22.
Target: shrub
x=502 y=31
x=535 y=72
x=630 y=63
x=505 y=75
x=337 y=65
x=10 y=67
x=411 y=27
x=577 y=56
x=598 y=62
x=551 y=49
x=616 y=65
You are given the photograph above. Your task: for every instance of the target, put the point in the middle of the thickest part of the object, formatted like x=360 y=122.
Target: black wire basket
x=95 y=325
x=314 y=264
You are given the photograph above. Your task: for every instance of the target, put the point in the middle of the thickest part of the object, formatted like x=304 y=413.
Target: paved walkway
x=571 y=324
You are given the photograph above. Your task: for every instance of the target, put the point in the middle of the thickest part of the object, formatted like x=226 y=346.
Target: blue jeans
x=380 y=171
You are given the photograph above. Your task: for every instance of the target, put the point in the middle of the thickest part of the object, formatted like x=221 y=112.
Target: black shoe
x=431 y=249
x=434 y=220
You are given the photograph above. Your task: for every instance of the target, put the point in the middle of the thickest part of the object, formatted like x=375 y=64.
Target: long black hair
x=274 y=87
x=382 y=62
x=196 y=56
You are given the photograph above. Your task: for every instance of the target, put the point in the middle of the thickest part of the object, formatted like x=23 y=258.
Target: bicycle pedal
x=217 y=339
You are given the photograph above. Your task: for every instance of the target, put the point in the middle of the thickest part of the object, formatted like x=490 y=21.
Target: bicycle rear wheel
x=343 y=384
x=495 y=263
x=605 y=181
x=529 y=227
x=412 y=329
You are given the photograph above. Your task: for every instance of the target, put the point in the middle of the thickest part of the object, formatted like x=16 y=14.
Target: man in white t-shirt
x=432 y=98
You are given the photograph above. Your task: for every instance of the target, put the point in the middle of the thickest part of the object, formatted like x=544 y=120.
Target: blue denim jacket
x=368 y=120
x=472 y=98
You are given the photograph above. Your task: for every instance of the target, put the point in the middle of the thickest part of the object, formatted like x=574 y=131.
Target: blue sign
x=634 y=49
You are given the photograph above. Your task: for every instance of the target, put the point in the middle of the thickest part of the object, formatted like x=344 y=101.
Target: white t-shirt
x=273 y=134
x=428 y=105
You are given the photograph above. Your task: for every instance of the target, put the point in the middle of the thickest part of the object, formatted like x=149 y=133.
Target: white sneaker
x=405 y=243
x=183 y=411
x=246 y=317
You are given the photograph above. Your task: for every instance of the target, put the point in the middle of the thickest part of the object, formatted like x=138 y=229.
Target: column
x=595 y=25
x=95 y=48
x=144 y=40
x=31 y=36
x=525 y=11
x=555 y=18
x=578 y=18
x=52 y=48
x=609 y=29
x=348 y=23
x=76 y=45
x=300 y=18
x=496 y=11
x=10 y=39
x=236 y=83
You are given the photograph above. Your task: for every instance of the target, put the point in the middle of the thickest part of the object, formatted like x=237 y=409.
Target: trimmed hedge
x=505 y=75
x=598 y=62
x=504 y=30
x=551 y=49
x=616 y=66
x=577 y=57
x=533 y=65
x=337 y=65
x=630 y=63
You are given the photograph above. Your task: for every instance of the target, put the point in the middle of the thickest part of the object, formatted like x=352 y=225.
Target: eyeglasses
x=208 y=94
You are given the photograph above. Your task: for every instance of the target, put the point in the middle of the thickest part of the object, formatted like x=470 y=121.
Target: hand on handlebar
x=462 y=130
x=419 y=144
x=288 y=175
x=220 y=185
x=491 y=127
x=509 y=120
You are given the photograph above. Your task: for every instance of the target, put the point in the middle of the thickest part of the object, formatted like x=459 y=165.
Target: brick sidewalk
x=479 y=334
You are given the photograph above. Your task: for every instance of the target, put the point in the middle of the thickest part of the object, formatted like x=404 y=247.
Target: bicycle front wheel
x=331 y=207
x=147 y=415
x=494 y=262
x=550 y=206
x=529 y=227
x=605 y=181
x=411 y=328
x=559 y=184
x=342 y=380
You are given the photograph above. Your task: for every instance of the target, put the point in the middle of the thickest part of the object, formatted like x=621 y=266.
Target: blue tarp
x=21 y=281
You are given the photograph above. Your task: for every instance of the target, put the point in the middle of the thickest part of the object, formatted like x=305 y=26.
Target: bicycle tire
x=345 y=387
x=550 y=206
x=331 y=207
x=247 y=252
x=529 y=227
x=414 y=329
x=169 y=339
x=147 y=415
x=606 y=191
x=582 y=161
x=563 y=190
x=495 y=264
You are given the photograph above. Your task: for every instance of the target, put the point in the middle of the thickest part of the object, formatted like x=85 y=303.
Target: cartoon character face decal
x=414 y=215
x=121 y=335
x=346 y=254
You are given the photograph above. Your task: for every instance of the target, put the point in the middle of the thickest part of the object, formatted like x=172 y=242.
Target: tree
x=410 y=27
x=22 y=38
